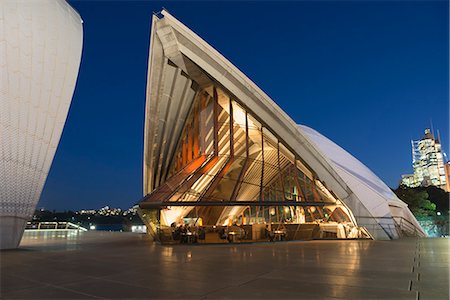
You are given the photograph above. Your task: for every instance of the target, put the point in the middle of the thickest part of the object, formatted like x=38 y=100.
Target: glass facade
x=230 y=170
x=428 y=163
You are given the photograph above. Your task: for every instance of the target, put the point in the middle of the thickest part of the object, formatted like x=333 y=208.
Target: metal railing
x=60 y=226
x=406 y=228
x=401 y=227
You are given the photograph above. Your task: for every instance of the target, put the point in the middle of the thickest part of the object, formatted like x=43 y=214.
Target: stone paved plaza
x=129 y=266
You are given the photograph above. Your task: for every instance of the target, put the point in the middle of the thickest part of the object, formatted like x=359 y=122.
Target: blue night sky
x=368 y=75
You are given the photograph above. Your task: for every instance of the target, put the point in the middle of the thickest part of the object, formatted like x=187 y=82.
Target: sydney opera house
x=40 y=53
x=220 y=154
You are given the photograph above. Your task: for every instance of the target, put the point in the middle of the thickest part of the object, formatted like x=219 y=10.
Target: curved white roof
x=344 y=161
x=368 y=187
x=41 y=44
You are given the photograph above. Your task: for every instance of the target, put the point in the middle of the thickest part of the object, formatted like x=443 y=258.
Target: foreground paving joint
x=126 y=265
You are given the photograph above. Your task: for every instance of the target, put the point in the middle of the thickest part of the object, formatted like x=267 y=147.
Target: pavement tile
x=129 y=266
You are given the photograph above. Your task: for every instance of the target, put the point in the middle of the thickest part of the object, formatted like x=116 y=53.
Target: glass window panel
x=286 y=153
x=224 y=189
x=248 y=192
x=289 y=183
x=271 y=176
x=239 y=130
x=223 y=123
x=238 y=115
x=250 y=187
x=270 y=141
x=254 y=130
x=305 y=185
x=223 y=133
x=304 y=169
x=203 y=182
x=308 y=190
x=207 y=125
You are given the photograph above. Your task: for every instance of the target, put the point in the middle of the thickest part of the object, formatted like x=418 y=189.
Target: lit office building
x=220 y=154
x=428 y=163
x=40 y=53
x=447 y=176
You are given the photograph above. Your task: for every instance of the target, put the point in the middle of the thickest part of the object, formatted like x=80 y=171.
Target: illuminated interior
x=230 y=169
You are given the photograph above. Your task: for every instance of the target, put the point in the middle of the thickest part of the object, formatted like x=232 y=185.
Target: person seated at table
x=176 y=234
x=269 y=234
x=183 y=231
x=281 y=227
x=222 y=234
x=242 y=232
x=230 y=237
x=192 y=231
x=237 y=230
x=201 y=233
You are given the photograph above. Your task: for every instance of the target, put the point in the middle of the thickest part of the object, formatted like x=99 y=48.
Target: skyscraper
x=428 y=163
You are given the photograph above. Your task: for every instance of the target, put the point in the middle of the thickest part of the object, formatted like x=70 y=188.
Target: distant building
x=428 y=163
x=447 y=176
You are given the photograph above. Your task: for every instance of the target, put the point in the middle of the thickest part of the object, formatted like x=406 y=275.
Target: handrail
x=57 y=226
x=382 y=226
x=405 y=225
x=402 y=225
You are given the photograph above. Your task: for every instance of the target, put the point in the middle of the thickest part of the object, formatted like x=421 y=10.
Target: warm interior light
x=174 y=214
x=239 y=116
x=228 y=222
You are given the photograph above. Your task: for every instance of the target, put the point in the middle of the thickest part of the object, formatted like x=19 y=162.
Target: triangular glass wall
x=229 y=168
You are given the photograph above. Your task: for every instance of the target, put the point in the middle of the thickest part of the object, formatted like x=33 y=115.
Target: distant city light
x=438 y=213
x=92 y=227
x=139 y=228
x=108 y=211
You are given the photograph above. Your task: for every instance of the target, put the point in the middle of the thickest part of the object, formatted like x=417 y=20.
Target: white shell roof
x=373 y=193
x=344 y=161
